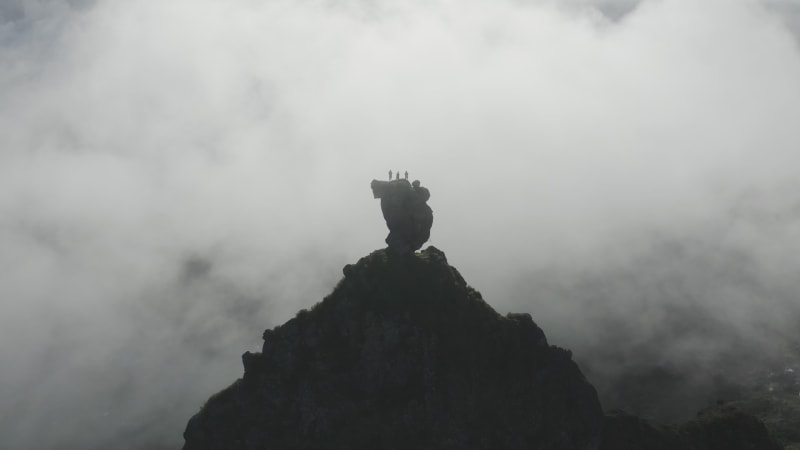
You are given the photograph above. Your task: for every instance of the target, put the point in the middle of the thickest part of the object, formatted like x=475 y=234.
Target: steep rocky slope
x=403 y=354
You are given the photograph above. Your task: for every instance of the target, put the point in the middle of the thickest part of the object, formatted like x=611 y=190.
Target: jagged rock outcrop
x=403 y=354
x=407 y=215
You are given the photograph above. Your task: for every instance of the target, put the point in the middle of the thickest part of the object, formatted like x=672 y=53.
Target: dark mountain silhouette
x=403 y=354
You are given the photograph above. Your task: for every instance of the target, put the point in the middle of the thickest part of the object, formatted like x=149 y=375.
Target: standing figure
x=406 y=175
x=390 y=174
x=397 y=175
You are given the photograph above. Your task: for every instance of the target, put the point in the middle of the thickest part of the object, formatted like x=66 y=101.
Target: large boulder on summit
x=407 y=215
x=403 y=354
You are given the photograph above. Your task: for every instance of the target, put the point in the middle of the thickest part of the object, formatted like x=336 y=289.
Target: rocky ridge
x=403 y=354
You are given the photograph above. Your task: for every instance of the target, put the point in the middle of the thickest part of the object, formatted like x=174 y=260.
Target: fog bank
x=177 y=176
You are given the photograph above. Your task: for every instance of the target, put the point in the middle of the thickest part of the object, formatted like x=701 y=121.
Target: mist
x=175 y=177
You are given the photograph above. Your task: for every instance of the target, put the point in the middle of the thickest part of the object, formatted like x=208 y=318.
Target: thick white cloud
x=177 y=176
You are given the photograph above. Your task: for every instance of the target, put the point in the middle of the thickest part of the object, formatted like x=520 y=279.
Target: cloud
x=177 y=176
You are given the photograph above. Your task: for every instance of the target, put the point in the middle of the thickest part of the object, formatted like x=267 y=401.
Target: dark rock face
x=403 y=355
x=407 y=214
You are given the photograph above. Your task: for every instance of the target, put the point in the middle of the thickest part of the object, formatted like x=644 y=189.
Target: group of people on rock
x=397 y=175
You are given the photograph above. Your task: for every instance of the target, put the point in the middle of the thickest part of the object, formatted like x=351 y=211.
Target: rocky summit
x=403 y=354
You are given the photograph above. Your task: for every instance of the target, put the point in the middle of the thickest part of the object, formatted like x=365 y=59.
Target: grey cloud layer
x=177 y=176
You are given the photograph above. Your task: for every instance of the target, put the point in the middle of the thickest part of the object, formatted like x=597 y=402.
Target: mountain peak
x=403 y=354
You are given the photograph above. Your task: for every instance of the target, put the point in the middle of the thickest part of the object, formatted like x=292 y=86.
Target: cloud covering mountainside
x=175 y=177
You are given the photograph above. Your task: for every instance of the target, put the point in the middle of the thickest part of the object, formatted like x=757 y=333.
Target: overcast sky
x=176 y=176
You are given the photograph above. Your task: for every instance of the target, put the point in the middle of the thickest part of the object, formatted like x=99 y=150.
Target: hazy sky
x=176 y=176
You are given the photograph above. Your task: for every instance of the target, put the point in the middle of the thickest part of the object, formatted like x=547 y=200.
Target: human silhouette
x=390 y=175
x=397 y=175
x=406 y=175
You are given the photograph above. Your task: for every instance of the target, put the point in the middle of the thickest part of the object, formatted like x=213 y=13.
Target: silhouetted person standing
x=397 y=175
x=390 y=175
x=406 y=175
